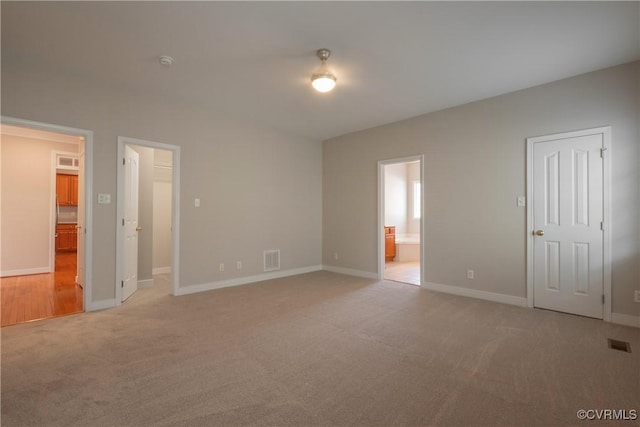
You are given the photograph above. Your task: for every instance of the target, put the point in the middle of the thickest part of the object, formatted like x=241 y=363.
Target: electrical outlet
x=469 y=274
x=238 y=265
x=335 y=256
x=636 y=296
x=221 y=266
x=521 y=201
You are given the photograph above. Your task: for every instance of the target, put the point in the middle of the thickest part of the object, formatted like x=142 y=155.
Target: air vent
x=619 y=345
x=272 y=259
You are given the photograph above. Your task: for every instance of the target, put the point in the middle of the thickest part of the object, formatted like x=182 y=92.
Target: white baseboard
x=101 y=305
x=474 y=293
x=245 y=280
x=625 y=319
x=161 y=270
x=25 y=271
x=145 y=283
x=350 y=272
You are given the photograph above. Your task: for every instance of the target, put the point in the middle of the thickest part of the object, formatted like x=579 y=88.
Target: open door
x=130 y=276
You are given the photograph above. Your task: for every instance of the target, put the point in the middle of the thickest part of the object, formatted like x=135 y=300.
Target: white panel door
x=130 y=280
x=567 y=225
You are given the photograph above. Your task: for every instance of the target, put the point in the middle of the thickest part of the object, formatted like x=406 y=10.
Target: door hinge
x=123 y=222
x=124 y=162
x=602 y=150
x=122 y=286
x=602 y=298
x=602 y=225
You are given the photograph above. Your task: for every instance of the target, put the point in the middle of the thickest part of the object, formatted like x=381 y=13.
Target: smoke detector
x=165 y=60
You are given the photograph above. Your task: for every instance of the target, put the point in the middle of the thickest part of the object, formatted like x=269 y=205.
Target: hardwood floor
x=405 y=272
x=41 y=296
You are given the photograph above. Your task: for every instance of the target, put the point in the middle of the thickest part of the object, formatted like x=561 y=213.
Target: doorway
x=44 y=269
x=148 y=217
x=568 y=233
x=400 y=219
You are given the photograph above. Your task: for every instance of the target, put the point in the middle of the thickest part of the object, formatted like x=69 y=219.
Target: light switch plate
x=104 y=198
x=521 y=201
x=196 y=203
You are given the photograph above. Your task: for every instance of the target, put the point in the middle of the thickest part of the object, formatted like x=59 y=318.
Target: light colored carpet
x=316 y=349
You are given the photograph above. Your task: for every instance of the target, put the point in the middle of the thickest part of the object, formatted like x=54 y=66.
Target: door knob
x=138 y=228
x=539 y=233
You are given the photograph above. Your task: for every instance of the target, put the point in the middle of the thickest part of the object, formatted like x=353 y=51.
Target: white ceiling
x=394 y=60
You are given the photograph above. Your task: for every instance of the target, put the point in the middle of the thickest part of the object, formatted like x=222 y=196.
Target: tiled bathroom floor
x=406 y=272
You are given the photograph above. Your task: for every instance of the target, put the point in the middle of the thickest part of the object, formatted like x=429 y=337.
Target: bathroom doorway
x=401 y=205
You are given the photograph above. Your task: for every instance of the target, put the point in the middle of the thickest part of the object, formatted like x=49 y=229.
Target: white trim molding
x=25 y=271
x=161 y=270
x=245 y=280
x=101 y=305
x=625 y=319
x=477 y=294
x=605 y=131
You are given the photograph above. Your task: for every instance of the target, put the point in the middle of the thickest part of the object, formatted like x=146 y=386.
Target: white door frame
x=605 y=131
x=175 y=211
x=380 y=229
x=88 y=196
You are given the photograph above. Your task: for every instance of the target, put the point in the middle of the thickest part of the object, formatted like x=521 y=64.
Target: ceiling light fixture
x=165 y=60
x=323 y=79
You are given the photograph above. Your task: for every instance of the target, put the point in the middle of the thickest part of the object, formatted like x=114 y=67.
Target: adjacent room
x=320 y=213
x=402 y=218
x=40 y=224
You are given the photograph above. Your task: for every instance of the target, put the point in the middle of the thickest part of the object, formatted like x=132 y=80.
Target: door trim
x=380 y=229
x=175 y=212
x=605 y=131
x=88 y=304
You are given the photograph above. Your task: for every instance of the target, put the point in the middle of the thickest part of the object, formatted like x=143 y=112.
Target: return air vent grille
x=619 y=345
x=272 y=259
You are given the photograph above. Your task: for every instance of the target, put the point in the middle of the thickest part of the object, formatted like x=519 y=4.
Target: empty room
x=238 y=257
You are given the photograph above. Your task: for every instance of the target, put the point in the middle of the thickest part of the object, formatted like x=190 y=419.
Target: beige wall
x=474 y=170
x=395 y=196
x=259 y=188
x=413 y=174
x=162 y=192
x=27 y=200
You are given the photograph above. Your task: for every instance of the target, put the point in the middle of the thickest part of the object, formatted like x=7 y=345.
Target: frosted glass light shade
x=323 y=82
x=323 y=79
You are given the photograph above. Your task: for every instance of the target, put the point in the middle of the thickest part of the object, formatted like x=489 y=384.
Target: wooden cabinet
x=67 y=189
x=66 y=237
x=389 y=243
